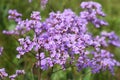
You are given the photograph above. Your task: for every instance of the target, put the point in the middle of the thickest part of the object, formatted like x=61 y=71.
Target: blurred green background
x=8 y=60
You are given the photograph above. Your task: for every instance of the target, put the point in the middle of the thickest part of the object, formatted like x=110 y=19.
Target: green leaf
x=87 y=75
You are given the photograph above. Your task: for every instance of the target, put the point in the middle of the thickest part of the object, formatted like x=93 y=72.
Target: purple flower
x=30 y=1
x=3 y=73
x=103 y=60
x=12 y=77
x=35 y=15
x=26 y=46
x=112 y=38
x=93 y=9
x=13 y=14
x=18 y=72
x=1 y=50
x=43 y=3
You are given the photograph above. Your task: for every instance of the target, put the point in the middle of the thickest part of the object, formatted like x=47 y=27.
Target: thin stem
x=39 y=74
x=49 y=74
x=32 y=75
x=39 y=71
x=61 y=69
x=57 y=70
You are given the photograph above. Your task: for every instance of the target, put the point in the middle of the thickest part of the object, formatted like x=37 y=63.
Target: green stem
x=39 y=74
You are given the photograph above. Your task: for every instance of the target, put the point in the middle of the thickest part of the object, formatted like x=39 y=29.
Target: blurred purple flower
x=43 y=3
x=3 y=73
x=13 y=14
x=18 y=72
x=1 y=50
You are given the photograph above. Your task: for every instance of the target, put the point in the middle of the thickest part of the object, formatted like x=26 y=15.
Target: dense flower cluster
x=93 y=9
x=63 y=39
x=103 y=60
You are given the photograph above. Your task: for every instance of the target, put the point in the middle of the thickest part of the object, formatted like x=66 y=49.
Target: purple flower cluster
x=93 y=9
x=63 y=38
x=26 y=46
x=112 y=38
x=103 y=60
x=43 y=3
x=3 y=73
x=18 y=72
x=13 y=14
x=24 y=26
